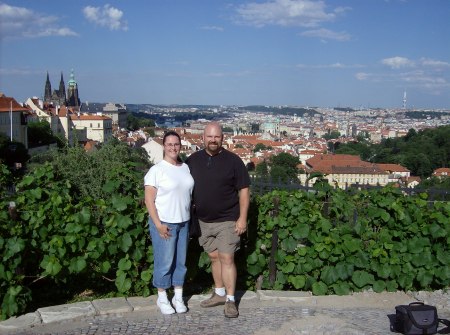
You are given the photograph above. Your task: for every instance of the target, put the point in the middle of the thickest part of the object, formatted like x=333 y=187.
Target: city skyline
x=345 y=53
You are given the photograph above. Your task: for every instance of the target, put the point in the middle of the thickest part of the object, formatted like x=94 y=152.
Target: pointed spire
x=62 y=91
x=48 y=89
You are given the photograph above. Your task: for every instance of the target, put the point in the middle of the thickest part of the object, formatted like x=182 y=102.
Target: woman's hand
x=163 y=231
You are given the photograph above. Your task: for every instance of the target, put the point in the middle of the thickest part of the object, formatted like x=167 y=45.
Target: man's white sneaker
x=179 y=305
x=165 y=307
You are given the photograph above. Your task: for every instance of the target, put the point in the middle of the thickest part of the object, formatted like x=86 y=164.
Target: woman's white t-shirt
x=174 y=185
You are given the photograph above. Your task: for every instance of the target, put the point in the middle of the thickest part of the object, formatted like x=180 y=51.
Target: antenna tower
x=404 y=100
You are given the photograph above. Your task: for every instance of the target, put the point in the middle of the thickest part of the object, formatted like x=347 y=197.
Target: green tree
x=284 y=167
x=88 y=172
x=5 y=179
x=135 y=123
x=150 y=131
x=419 y=165
x=262 y=169
x=40 y=133
x=332 y=135
x=259 y=147
x=435 y=182
x=12 y=153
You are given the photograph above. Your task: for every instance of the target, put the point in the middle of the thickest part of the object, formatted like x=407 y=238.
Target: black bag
x=417 y=318
x=194 y=225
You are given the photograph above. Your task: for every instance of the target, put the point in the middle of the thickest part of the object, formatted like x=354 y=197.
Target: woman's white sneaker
x=165 y=307
x=179 y=305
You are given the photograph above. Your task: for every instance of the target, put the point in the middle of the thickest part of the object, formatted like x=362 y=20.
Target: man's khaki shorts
x=219 y=236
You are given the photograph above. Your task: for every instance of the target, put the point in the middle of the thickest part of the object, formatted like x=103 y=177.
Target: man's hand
x=241 y=226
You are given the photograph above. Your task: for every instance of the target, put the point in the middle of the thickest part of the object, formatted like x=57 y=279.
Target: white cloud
x=336 y=65
x=22 y=22
x=362 y=76
x=305 y=13
x=106 y=16
x=17 y=72
x=419 y=79
x=212 y=28
x=397 y=62
x=327 y=34
x=434 y=63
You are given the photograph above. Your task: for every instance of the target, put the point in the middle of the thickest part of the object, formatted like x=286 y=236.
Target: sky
x=331 y=53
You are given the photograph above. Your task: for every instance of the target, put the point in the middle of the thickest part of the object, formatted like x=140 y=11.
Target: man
x=221 y=197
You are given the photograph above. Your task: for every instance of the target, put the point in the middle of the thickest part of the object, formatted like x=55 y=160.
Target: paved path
x=262 y=313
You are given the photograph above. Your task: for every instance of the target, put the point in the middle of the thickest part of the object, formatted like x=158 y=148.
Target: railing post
x=273 y=250
x=12 y=211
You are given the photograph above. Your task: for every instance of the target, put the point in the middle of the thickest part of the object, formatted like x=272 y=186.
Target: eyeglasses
x=172 y=145
x=209 y=162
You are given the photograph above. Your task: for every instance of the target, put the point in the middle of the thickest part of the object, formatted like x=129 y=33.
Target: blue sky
x=356 y=53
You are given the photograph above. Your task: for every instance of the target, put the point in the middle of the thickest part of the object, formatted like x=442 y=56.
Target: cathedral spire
x=48 y=90
x=62 y=90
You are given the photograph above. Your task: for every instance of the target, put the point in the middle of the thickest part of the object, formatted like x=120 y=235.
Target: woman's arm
x=150 y=196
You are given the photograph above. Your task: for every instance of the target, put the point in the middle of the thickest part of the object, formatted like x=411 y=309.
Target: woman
x=168 y=189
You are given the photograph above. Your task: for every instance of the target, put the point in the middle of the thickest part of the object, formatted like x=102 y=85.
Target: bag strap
x=417 y=303
x=445 y=322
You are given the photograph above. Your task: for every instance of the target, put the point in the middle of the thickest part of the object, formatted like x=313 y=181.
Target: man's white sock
x=230 y=297
x=220 y=291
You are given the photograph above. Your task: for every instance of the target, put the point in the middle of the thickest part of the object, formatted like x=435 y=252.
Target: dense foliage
x=40 y=133
x=283 y=167
x=80 y=219
x=81 y=224
x=12 y=152
x=421 y=152
x=137 y=121
x=336 y=243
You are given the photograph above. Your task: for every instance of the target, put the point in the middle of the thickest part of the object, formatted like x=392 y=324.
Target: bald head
x=212 y=138
x=213 y=127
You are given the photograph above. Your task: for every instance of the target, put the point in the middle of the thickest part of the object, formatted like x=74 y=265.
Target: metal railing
x=263 y=185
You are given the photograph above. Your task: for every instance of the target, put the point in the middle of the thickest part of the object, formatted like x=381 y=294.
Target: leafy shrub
x=338 y=243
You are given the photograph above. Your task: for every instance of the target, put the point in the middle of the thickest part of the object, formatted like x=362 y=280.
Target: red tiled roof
x=340 y=164
x=7 y=104
x=442 y=172
x=393 y=167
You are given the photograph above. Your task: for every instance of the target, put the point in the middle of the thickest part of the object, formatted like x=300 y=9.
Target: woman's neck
x=171 y=161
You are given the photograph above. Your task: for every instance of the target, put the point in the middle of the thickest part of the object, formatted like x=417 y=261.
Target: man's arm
x=244 y=203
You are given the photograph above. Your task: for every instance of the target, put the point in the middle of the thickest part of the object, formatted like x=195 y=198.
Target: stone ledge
x=66 y=312
x=293 y=296
x=112 y=306
x=143 y=304
x=23 y=321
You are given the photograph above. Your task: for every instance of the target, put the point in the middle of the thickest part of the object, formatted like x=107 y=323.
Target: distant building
x=346 y=170
x=56 y=97
x=71 y=124
x=442 y=172
x=91 y=127
x=73 y=100
x=155 y=150
x=59 y=97
x=118 y=114
x=13 y=119
x=396 y=172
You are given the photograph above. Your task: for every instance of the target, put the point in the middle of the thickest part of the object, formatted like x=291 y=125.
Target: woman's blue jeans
x=169 y=256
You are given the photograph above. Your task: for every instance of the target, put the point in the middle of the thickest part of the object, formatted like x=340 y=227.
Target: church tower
x=62 y=91
x=48 y=90
x=72 y=92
